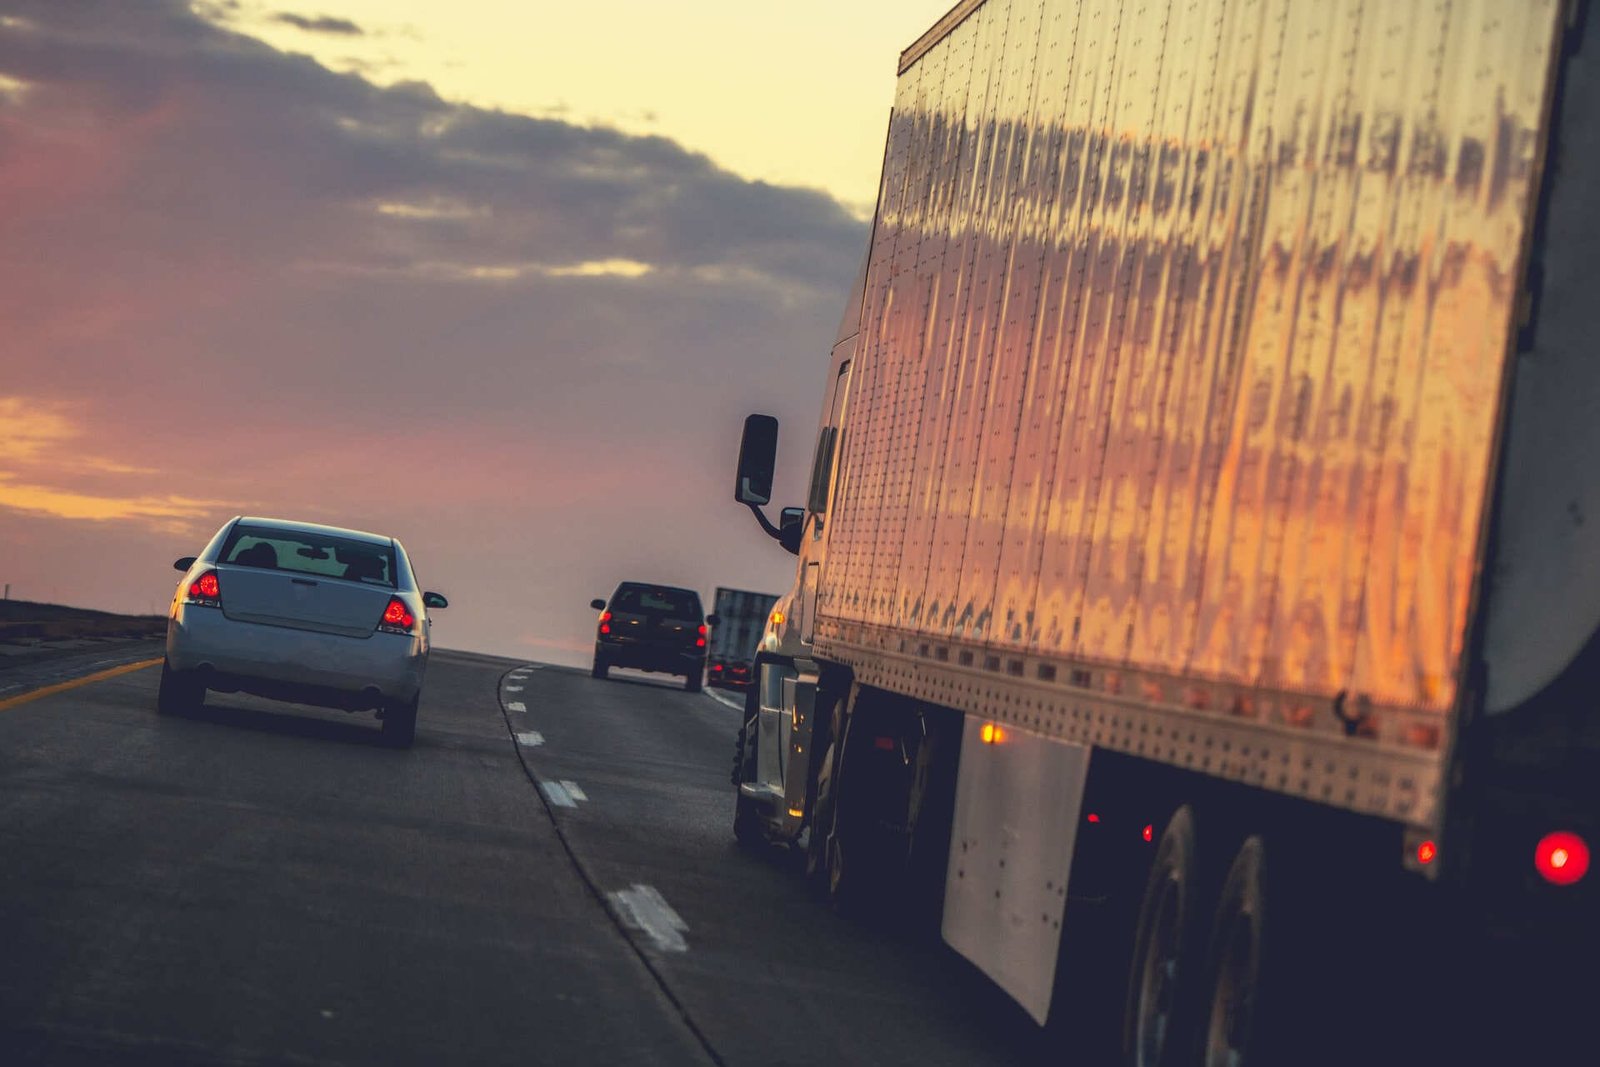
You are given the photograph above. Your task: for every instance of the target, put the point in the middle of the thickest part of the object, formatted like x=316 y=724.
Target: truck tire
x=178 y=692
x=601 y=669
x=691 y=682
x=821 y=826
x=747 y=829
x=1169 y=944
x=1244 y=1022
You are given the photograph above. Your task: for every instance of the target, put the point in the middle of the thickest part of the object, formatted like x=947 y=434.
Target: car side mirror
x=758 y=456
x=435 y=600
x=598 y=605
x=713 y=620
x=184 y=564
x=791 y=522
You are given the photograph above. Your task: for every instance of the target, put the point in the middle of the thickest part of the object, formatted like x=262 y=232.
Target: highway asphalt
x=547 y=876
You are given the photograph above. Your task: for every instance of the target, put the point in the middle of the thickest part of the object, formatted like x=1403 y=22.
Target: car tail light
x=605 y=622
x=397 y=618
x=700 y=641
x=206 y=590
x=717 y=667
x=1561 y=858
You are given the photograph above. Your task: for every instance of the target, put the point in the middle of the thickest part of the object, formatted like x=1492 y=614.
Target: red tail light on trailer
x=397 y=618
x=1561 y=858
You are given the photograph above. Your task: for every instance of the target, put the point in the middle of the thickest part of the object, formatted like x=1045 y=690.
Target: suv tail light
x=397 y=618
x=605 y=622
x=700 y=641
x=206 y=591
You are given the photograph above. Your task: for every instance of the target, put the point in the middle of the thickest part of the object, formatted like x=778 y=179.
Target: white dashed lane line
x=562 y=794
x=513 y=688
x=643 y=908
x=530 y=739
x=516 y=705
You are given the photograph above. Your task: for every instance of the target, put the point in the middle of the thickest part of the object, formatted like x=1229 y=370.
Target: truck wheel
x=1168 y=953
x=400 y=723
x=821 y=826
x=747 y=830
x=691 y=682
x=601 y=669
x=1244 y=1024
x=178 y=692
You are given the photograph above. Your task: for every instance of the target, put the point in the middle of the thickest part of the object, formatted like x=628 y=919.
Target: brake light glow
x=1427 y=852
x=206 y=590
x=1093 y=817
x=1561 y=858
x=1149 y=832
x=605 y=622
x=397 y=618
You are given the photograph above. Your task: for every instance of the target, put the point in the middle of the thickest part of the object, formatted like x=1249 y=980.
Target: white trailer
x=1202 y=529
x=741 y=621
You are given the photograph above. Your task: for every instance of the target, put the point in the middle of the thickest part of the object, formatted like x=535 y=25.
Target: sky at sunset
x=499 y=279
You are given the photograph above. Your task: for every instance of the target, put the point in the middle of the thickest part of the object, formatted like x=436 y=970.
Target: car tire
x=400 y=723
x=601 y=669
x=178 y=692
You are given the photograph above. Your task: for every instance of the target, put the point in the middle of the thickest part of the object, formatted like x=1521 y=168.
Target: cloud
x=321 y=24
x=524 y=345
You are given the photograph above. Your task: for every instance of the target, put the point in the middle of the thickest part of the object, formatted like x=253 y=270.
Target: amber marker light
x=777 y=618
x=1561 y=858
x=797 y=812
x=992 y=734
x=1427 y=852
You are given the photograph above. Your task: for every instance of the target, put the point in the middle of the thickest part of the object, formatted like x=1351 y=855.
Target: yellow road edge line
x=61 y=687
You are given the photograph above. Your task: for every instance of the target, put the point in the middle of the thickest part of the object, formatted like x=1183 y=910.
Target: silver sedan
x=300 y=612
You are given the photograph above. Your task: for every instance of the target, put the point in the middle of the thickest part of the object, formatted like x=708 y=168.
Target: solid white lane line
x=557 y=795
x=644 y=909
x=530 y=739
x=727 y=700
x=516 y=705
x=573 y=790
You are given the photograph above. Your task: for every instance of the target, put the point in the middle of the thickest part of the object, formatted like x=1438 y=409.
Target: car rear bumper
x=300 y=665
x=647 y=657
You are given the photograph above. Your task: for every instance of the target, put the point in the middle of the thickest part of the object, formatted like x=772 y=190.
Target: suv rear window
x=305 y=552
x=657 y=600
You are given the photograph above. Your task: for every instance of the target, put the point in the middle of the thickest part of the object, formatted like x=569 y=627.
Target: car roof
x=655 y=585
x=315 y=527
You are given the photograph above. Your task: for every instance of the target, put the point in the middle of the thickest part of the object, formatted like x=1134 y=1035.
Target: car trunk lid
x=302 y=601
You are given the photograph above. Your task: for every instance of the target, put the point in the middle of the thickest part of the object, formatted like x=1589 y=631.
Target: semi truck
x=1197 y=586
x=742 y=619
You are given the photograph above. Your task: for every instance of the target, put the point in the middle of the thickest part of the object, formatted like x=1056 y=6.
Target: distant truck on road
x=742 y=619
x=1199 y=579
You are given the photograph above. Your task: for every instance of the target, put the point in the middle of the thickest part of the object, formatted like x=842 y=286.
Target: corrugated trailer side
x=1184 y=336
x=1196 y=613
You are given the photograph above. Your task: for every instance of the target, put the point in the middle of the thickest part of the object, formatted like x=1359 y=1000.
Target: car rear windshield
x=655 y=599
x=306 y=552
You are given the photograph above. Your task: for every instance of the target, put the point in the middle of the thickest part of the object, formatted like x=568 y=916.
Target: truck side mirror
x=791 y=522
x=758 y=457
x=598 y=605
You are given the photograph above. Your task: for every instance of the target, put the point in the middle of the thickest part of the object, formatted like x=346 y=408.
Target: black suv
x=652 y=628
